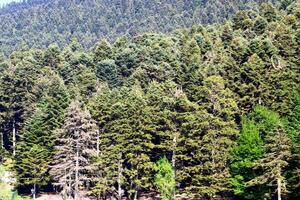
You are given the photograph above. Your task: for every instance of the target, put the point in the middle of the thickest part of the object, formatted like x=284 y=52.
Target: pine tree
x=76 y=144
x=32 y=159
x=131 y=135
x=52 y=57
x=102 y=51
x=105 y=165
x=169 y=109
x=17 y=97
x=107 y=71
x=278 y=153
x=293 y=130
x=36 y=148
x=77 y=70
x=217 y=138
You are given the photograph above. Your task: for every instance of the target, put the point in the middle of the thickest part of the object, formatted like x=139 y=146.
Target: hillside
x=39 y=23
x=207 y=112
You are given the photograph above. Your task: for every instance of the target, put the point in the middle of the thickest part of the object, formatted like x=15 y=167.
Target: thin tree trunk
x=136 y=195
x=1 y=140
x=76 y=172
x=34 y=191
x=174 y=152
x=119 y=180
x=14 y=137
x=279 y=188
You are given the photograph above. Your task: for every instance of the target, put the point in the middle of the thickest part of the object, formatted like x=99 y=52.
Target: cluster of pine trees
x=39 y=23
x=220 y=102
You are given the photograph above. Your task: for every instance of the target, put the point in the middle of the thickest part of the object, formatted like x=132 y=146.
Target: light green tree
x=164 y=179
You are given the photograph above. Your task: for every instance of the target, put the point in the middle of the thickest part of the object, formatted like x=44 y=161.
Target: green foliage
x=273 y=163
x=90 y=20
x=164 y=178
x=249 y=148
x=266 y=120
x=36 y=146
x=212 y=98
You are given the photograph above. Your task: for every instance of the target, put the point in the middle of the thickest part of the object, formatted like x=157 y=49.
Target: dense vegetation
x=210 y=110
x=39 y=23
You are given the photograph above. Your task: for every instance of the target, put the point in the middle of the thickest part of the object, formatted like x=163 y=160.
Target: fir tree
x=217 y=138
x=75 y=146
x=36 y=148
x=17 y=97
x=278 y=153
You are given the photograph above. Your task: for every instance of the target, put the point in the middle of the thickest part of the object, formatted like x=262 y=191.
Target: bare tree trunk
x=135 y=195
x=174 y=152
x=119 y=179
x=14 y=137
x=279 y=188
x=34 y=191
x=1 y=140
x=76 y=172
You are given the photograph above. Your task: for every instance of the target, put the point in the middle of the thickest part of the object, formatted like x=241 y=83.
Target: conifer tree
x=217 y=138
x=278 y=153
x=131 y=133
x=17 y=97
x=102 y=51
x=36 y=148
x=168 y=103
x=76 y=144
x=33 y=157
x=52 y=57
x=293 y=130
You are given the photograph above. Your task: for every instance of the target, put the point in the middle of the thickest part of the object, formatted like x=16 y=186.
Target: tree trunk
x=135 y=195
x=174 y=152
x=279 y=188
x=76 y=172
x=14 y=137
x=1 y=140
x=119 y=180
x=34 y=191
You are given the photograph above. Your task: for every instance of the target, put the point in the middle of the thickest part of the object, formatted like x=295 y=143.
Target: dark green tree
x=218 y=138
x=37 y=140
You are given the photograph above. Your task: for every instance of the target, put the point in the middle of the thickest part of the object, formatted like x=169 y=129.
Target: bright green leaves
x=165 y=178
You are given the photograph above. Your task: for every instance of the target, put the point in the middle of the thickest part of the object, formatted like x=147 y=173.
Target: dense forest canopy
x=39 y=23
x=206 y=112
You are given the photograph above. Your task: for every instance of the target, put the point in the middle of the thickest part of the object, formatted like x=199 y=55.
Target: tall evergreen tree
x=278 y=153
x=17 y=97
x=36 y=148
x=217 y=138
x=75 y=146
